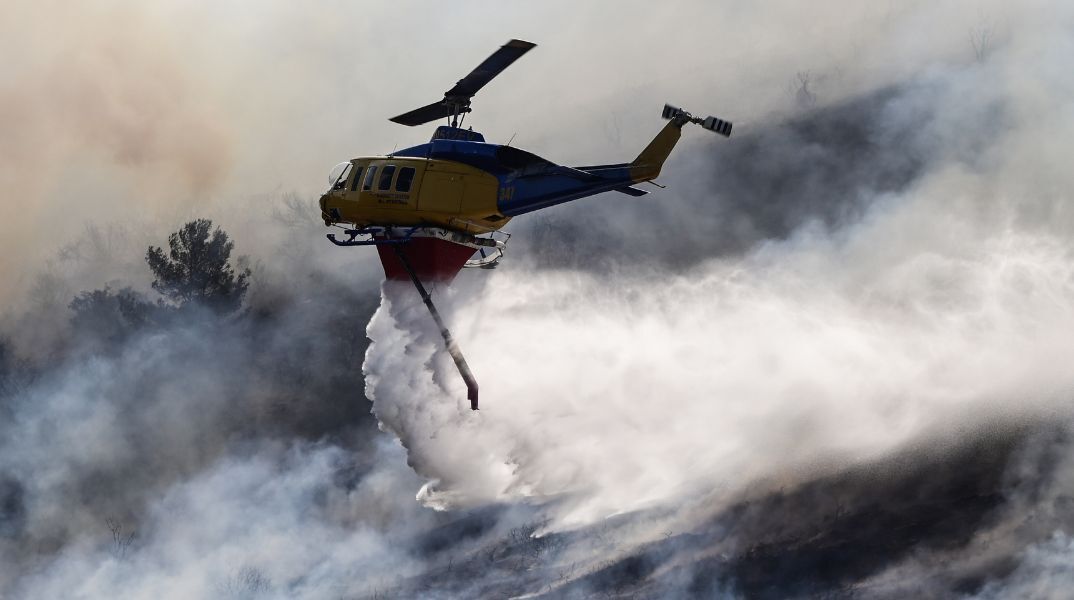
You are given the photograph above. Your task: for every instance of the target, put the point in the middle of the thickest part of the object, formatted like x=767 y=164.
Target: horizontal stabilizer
x=631 y=191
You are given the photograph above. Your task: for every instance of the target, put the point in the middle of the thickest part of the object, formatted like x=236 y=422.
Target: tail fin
x=648 y=164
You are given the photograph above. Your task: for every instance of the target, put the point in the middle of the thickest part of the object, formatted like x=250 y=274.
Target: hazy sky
x=152 y=113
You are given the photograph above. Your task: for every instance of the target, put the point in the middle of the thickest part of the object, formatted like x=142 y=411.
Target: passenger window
x=386 y=177
x=406 y=176
x=369 y=175
x=357 y=179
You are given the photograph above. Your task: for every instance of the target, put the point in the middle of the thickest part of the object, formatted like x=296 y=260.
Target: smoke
x=887 y=271
x=837 y=338
x=226 y=533
x=859 y=277
x=641 y=391
x=96 y=111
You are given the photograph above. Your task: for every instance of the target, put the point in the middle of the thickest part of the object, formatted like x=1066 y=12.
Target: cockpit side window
x=406 y=176
x=386 y=177
x=369 y=175
x=338 y=177
x=357 y=178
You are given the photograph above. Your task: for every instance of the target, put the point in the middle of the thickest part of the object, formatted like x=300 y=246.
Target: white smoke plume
x=943 y=306
x=776 y=367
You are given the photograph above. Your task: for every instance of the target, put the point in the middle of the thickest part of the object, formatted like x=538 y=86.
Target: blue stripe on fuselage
x=541 y=191
x=476 y=154
x=527 y=181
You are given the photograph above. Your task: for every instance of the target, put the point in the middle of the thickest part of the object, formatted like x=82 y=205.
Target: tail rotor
x=674 y=113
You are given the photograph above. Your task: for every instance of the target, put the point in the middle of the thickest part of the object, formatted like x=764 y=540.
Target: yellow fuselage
x=406 y=191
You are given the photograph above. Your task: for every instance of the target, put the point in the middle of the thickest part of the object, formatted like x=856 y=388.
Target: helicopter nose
x=328 y=213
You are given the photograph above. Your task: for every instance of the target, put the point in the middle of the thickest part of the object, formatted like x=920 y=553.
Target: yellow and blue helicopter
x=438 y=207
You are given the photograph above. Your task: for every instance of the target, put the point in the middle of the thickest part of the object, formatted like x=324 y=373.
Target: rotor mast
x=459 y=106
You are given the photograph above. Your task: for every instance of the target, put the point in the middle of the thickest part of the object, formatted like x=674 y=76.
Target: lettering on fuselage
x=403 y=199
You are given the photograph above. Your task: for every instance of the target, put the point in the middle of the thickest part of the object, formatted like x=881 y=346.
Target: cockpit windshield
x=338 y=177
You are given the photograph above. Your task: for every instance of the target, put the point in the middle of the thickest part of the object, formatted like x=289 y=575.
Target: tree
x=108 y=318
x=981 y=40
x=196 y=269
x=805 y=98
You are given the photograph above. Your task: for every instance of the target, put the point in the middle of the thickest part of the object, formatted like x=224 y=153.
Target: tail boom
x=647 y=165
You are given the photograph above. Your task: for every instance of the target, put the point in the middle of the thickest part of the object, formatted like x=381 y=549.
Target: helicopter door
x=441 y=192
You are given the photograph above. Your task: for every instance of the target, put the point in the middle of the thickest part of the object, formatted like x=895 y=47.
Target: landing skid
x=378 y=236
x=352 y=235
x=487 y=261
x=449 y=341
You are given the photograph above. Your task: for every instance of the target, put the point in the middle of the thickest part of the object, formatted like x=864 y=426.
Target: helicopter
x=436 y=208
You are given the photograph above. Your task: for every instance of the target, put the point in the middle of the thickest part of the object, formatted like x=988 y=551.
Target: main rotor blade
x=420 y=116
x=493 y=66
